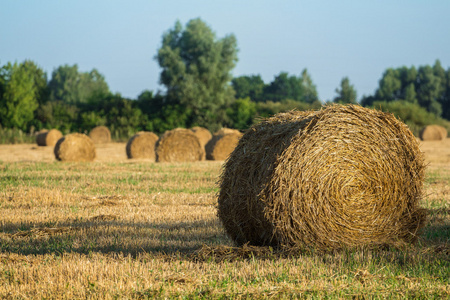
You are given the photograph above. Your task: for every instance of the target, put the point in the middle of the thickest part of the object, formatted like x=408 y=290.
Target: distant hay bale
x=48 y=138
x=222 y=144
x=203 y=134
x=179 y=145
x=433 y=133
x=75 y=147
x=224 y=131
x=100 y=135
x=142 y=145
x=340 y=177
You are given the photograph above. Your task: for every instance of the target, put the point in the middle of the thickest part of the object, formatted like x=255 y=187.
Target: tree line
x=200 y=91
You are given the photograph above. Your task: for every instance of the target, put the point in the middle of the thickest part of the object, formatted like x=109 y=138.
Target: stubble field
x=118 y=228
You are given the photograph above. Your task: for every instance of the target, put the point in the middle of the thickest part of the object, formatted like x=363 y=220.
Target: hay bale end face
x=433 y=133
x=100 y=135
x=142 y=145
x=75 y=147
x=343 y=176
x=179 y=145
x=48 y=138
x=222 y=144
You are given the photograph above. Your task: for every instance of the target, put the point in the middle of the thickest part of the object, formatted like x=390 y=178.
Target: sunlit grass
x=137 y=230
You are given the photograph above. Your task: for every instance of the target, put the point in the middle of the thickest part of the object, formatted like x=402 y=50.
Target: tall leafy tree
x=309 y=89
x=347 y=92
x=19 y=93
x=249 y=86
x=284 y=87
x=429 y=90
x=73 y=87
x=196 y=71
x=291 y=87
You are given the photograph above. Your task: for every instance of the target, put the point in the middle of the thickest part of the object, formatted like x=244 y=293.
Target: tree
x=389 y=86
x=196 y=71
x=58 y=115
x=429 y=90
x=283 y=87
x=72 y=87
x=347 y=93
x=241 y=113
x=309 y=89
x=19 y=95
x=249 y=86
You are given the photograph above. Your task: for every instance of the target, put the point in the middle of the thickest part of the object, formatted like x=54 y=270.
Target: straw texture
x=100 y=135
x=142 y=145
x=343 y=176
x=48 y=138
x=179 y=145
x=75 y=147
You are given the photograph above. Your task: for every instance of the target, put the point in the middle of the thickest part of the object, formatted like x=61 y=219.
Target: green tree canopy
x=285 y=87
x=73 y=87
x=347 y=92
x=249 y=86
x=196 y=71
x=20 y=88
x=426 y=86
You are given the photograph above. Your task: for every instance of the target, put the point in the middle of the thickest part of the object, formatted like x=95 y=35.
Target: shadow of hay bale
x=343 y=176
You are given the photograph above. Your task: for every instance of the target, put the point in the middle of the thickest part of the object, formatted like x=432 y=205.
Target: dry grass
x=135 y=230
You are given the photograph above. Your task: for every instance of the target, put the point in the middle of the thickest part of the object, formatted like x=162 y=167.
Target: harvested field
x=115 y=228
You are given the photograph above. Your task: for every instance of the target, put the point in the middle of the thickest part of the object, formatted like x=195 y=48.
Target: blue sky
x=332 y=39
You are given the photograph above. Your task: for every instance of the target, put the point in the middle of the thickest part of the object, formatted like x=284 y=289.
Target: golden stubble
x=134 y=229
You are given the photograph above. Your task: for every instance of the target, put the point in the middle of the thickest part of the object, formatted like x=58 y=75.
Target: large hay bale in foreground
x=179 y=145
x=75 y=147
x=433 y=133
x=100 y=135
x=142 y=145
x=343 y=176
x=222 y=144
x=48 y=138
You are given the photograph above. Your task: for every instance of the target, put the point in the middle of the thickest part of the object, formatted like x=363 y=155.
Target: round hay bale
x=203 y=134
x=48 y=138
x=340 y=177
x=224 y=131
x=100 y=135
x=75 y=147
x=142 y=145
x=433 y=133
x=222 y=144
x=179 y=145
